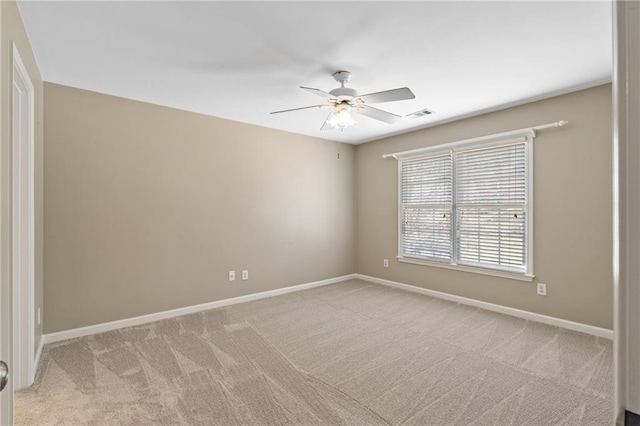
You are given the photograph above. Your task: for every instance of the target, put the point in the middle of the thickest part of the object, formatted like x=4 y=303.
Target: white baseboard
x=557 y=322
x=144 y=319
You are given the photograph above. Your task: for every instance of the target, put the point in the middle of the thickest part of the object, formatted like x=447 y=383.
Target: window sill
x=482 y=271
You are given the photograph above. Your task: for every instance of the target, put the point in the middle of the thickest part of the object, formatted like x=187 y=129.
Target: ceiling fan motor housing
x=345 y=92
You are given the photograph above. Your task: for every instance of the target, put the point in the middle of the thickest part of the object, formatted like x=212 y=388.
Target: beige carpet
x=352 y=353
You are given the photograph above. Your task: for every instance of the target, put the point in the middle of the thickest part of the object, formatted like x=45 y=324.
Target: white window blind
x=467 y=206
x=490 y=206
x=427 y=197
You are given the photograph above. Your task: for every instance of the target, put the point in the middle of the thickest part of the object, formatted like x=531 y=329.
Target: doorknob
x=4 y=375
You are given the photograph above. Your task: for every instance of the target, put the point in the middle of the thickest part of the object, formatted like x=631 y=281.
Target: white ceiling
x=241 y=60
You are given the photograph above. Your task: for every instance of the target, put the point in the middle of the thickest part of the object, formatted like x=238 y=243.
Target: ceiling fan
x=343 y=100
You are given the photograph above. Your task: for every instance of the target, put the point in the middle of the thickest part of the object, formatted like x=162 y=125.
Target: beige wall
x=12 y=30
x=148 y=207
x=573 y=209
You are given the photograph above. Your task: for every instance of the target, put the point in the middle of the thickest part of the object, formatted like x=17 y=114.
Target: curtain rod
x=560 y=123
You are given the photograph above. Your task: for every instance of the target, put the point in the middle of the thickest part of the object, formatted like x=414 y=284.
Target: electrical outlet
x=385 y=263
x=245 y=274
x=232 y=275
x=542 y=289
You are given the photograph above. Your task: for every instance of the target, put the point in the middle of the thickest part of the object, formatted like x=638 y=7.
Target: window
x=468 y=207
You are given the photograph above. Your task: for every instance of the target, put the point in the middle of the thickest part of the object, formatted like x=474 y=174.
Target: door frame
x=22 y=222
x=626 y=206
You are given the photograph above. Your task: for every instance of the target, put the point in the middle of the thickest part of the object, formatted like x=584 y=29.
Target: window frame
x=475 y=143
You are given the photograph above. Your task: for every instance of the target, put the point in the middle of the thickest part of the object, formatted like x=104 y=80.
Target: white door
x=17 y=322
x=6 y=396
x=22 y=220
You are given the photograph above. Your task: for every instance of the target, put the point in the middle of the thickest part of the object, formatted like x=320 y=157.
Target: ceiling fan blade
x=326 y=125
x=318 y=92
x=298 y=109
x=377 y=114
x=388 y=96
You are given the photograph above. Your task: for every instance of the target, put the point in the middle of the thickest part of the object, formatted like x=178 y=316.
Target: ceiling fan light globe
x=345 y=119
x=341 y=119
x=333 y=121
